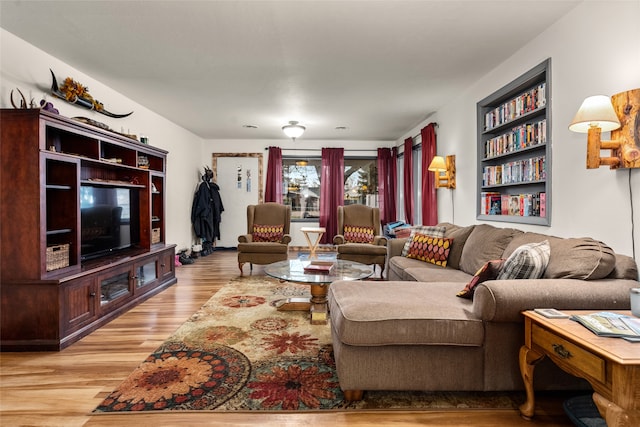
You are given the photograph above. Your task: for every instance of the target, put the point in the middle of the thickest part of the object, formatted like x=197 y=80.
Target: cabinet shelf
x=535 y=220
x=110 y=183
x=58 y=187
x=514 y=150
x=514 y=153
x=514 y=184
x=58 y=231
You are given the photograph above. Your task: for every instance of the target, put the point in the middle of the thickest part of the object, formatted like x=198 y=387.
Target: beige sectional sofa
x=413 y=333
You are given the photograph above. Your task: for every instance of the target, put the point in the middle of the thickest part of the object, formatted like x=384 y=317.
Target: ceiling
x=378 y=68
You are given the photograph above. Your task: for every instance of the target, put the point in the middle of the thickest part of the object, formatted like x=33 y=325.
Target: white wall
x=26 y=67
x=300 y=147
x=594 y=50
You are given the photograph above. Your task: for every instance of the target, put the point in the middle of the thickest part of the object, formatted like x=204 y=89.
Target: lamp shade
x=293 y=129
x=437 y=164
x=595 y=111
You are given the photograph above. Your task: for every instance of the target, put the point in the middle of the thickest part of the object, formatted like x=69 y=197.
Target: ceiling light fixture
x=293 y=130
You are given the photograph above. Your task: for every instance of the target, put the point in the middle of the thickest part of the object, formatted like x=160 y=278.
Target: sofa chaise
x=413 y=332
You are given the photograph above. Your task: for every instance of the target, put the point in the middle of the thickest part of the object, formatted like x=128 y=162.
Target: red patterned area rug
x=238 y=353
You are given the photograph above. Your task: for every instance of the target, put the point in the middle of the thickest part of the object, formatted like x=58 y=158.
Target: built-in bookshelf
x=514 y=150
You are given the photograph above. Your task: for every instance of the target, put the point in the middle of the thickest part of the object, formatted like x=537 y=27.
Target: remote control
x=551 y=313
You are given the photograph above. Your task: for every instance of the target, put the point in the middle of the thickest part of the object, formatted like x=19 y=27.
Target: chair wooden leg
x=353 y=395
x=240 y=264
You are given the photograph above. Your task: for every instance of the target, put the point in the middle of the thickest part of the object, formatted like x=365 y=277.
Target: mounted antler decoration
x=23 y=101
x=75 y=93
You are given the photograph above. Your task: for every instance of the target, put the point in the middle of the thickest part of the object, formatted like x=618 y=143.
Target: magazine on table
x=607 y=324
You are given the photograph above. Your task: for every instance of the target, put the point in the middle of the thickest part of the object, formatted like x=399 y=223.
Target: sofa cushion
x=488 y=271
x=267 y=233
x=526 y=262
x=459 y=236
x=625 y=268
x=367 y=313
x=431 y=230
x=485 y=243
x=403 y=268
x=571 y=258
x=358 y=234
x=580 y=258
x=434 y=250
x=430 y=273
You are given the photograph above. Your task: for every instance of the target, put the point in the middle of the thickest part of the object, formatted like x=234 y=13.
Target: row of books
x=528 y=204
x=527 y=170
x=526 y=102
x=523 y=136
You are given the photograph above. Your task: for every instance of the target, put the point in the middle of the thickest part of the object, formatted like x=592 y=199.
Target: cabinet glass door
x=114 y=287
x=146 y=274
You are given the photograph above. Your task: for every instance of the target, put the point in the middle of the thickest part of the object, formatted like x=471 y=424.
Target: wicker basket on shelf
x=57 y=257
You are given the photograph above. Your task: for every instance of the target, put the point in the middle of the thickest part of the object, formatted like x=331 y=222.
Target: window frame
x=371 y=182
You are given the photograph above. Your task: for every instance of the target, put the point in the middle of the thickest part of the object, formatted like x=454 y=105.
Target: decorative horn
x=23 y=103
x=55 y=90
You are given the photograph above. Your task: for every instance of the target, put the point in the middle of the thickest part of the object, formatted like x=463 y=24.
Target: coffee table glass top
x=293 y=270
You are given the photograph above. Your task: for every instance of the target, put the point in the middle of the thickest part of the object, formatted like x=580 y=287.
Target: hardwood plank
x=62 y=388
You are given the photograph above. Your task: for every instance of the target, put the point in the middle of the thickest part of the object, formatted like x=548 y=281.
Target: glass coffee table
x=293 y=270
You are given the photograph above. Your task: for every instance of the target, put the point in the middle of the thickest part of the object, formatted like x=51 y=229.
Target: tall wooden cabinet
x=514 y=150
x=56 y=284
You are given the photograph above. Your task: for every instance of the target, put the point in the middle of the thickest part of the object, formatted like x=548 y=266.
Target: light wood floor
x=62 y=388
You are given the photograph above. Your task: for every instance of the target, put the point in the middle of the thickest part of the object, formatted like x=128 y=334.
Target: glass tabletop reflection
x=292 y=270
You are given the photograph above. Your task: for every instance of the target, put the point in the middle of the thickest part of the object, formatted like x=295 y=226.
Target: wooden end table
x=610 y=365
x=313 y=245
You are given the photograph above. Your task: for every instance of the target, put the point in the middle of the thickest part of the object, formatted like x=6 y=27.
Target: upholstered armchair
x=359 y=238
x=267 y=239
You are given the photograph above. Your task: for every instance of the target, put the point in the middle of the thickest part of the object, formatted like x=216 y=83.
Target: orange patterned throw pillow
x=355 y=234
x=268 y=233
x=430 y=249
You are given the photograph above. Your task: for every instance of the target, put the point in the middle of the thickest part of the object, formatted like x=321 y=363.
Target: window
x=301 y=184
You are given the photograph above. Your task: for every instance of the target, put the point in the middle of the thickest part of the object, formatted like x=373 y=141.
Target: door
x=239 y=176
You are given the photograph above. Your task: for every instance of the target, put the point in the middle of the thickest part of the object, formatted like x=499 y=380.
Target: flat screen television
x=109 y=220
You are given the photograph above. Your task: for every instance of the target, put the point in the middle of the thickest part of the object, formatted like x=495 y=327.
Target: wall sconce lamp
x=293 y=130
x=618 y=114
x=445 y=171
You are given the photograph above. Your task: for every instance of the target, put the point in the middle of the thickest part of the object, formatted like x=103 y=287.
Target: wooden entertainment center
x=56 y=283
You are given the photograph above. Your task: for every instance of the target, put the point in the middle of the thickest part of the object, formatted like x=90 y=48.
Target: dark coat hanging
x=206 y=211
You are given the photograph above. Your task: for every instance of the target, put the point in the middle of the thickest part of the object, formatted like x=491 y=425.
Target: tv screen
x=109 y=220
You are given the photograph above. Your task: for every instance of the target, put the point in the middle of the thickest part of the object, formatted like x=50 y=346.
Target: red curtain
x=429 y=199
x=408 y=180
x=273 y=186
x=331 y=191
x=387 y=184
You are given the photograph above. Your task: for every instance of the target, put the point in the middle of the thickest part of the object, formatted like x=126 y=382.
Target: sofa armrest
x=286 y=239
x=394 y=247
x=338 y=239
x=245 y=238
x=504 y=300
x=380 y=241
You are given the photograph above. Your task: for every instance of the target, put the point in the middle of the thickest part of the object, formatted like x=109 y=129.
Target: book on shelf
x=514 y=205
x=608 y=324
x=319 y=267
